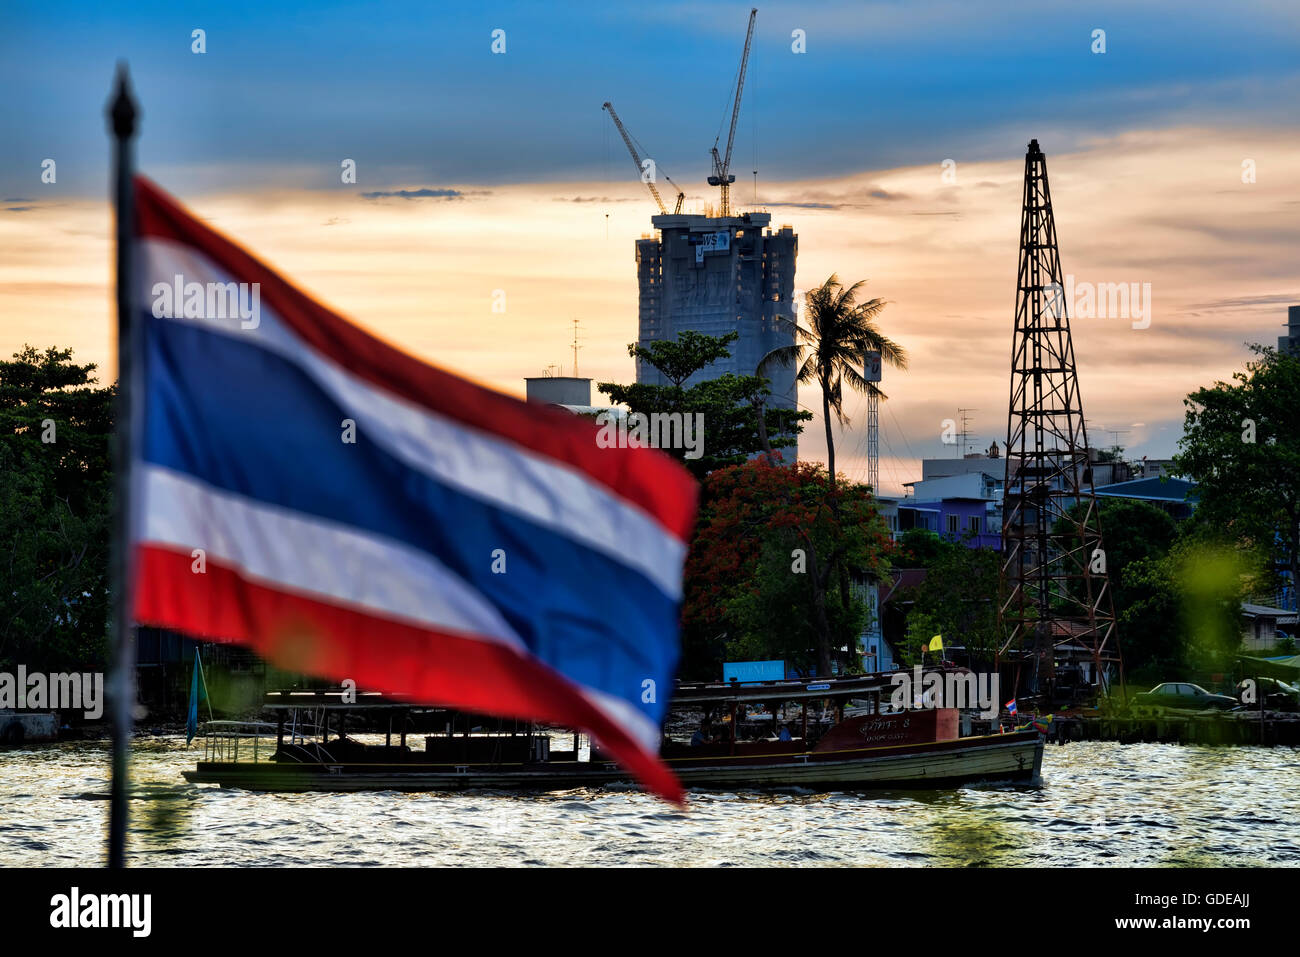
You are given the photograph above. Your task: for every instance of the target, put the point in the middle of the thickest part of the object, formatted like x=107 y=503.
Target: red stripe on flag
x=305 y=634
x=645 y=477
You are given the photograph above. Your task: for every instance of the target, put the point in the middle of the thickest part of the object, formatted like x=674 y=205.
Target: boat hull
x=995 y=758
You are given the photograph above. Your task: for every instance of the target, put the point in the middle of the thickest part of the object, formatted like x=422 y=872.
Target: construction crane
x=640 y=166
x=722 y=175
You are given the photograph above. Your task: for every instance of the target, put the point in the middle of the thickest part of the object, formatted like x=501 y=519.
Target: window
x=974 y=524
x=954 y=523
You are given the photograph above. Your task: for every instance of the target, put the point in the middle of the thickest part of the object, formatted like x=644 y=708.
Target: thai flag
x=344 y=509
x=1011 y=707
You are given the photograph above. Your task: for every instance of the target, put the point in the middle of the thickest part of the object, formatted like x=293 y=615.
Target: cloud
x=19 y=209
x=857 y=198
x=592 y=199
x=1248 y=302
x=425 y=193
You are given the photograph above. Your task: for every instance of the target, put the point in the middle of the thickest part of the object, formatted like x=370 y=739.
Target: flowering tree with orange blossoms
x=763 y=574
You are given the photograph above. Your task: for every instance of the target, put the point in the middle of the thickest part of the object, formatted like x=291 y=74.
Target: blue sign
x=744 y=671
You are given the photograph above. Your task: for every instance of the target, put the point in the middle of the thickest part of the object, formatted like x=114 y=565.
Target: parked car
x=1182 y=694
x=1276 y=695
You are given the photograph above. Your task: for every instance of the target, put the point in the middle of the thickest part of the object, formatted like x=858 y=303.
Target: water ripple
x=1100 y=804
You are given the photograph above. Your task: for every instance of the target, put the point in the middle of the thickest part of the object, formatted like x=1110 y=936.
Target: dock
x=1216 y=728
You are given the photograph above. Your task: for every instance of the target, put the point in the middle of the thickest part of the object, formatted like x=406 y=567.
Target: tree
x=1132 y=530
x=1241 y=445
x=920 y=548
x=956 y=598
x=833 y=348
x=55 y=484
x=730 y=404
x=1184 y=608
x=758 y=575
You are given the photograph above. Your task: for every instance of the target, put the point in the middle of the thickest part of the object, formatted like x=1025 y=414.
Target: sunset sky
x=481 y=171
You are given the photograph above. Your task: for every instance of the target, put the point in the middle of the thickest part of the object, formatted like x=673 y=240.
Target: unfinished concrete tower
x=717 y=275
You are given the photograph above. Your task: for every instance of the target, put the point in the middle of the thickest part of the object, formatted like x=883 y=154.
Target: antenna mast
x=576 y=347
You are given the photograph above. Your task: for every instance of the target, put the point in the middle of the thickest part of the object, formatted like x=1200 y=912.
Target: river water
x=1099 y=804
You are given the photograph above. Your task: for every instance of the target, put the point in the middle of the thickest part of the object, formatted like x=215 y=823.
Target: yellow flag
x=936 y=643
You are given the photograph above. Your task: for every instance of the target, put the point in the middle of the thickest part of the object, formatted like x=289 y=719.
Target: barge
x=740 y=742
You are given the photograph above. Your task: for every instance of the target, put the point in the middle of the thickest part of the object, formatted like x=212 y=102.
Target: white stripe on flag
x=550 y=493
x=308 y=555
x=625 y=714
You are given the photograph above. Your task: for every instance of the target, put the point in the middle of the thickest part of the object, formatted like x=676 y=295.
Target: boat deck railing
x=224 y=740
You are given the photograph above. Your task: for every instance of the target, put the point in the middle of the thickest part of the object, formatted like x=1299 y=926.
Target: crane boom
x=636 y=158
x=722 y=175
x=681 y=197
x=740 y=88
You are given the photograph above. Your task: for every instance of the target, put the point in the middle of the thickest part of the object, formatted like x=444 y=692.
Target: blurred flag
x=1011 y=707
x=936 y=643
x=347 y=510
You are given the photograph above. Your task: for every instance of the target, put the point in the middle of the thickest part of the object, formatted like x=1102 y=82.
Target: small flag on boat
x=936 y=643
x=348 y=510
x=1011 y=707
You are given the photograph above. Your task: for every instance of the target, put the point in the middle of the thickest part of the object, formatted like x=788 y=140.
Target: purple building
x=966 y=507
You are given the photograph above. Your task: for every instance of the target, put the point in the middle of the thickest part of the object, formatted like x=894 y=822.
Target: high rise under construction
x=719 y=274
x=722 y=272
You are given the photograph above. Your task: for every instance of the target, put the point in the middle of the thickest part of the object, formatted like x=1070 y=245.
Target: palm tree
x=832 y=349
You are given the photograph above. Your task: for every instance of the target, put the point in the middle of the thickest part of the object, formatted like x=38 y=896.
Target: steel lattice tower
x=1055 y=588
x=873 y=440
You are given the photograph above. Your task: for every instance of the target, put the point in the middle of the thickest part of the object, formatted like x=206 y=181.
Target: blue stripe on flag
x=249 y=421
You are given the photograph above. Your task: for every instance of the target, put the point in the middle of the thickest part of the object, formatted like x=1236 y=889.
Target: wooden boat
x=831 y=751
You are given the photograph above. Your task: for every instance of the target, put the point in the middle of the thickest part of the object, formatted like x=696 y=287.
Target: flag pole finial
x=122 y=111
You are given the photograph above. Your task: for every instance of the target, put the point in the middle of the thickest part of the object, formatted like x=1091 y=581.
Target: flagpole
x=122 y=122
x=204 y=679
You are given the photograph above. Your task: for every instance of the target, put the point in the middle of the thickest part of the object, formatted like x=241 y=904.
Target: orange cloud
x=1167 y=208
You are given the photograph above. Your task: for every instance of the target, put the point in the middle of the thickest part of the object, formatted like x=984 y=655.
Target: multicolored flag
x=347 y=510
x=1011 y=707
x=1041 y=725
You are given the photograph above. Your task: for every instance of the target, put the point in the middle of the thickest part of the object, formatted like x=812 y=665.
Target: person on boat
x=785 y=733
x=701 y=735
